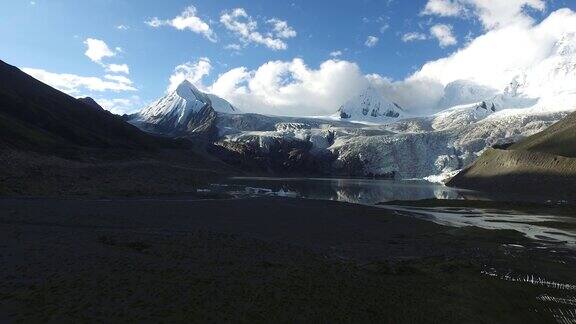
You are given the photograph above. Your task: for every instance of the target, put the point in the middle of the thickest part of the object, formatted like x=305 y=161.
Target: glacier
x=370 y=135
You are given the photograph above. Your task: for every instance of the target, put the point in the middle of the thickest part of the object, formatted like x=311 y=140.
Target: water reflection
x=359 y=191
x=547 y=229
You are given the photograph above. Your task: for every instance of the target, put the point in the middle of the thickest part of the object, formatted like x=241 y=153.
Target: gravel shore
x=258 y=260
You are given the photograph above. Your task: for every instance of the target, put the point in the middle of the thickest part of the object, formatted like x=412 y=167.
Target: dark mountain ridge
x=36 y=116
x=54 y=144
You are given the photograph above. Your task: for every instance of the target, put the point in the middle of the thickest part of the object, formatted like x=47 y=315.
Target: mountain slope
x=370 y=106
x=462 y=92
x=541 y=165
x=34 y=115
x=53 y=144
x=559 y=139
x=174 y=113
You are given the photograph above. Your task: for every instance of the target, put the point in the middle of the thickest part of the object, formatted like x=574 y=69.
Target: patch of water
x=543 y=228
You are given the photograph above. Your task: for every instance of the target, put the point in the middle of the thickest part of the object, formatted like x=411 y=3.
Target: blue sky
x=51 y=35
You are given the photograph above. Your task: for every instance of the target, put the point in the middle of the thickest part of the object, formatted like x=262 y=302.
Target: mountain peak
x=179 y=107
x=91 y=102
x=370 y=105
x=185 y=84
x=188 y=90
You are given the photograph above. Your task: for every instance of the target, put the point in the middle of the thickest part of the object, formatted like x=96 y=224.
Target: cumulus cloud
x=294 y=88
x=291 y=87
x=74 y=84
x=444 y=8
x=371 y=41
x=495 y=58
x=77 y=85
x=443 y=33
x=419 y=96
x=281 y=28
x=246 y=29
x=191 y=71
x=491 y=13
x=187 y=20
x=97 y=50
x=413 y=36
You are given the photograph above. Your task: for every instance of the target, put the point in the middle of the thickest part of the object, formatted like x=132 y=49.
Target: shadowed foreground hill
x=37 y=117
x=51 y=143
x=542 y=165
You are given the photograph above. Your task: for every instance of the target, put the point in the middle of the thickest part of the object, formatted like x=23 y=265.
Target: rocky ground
x=132 y=174
x=262 y=260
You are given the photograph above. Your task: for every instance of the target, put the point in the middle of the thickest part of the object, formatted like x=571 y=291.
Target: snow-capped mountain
x=176 y=109
x=439 y=145
x=555 y=75
x=462 y=92
x=370 y=106
x=371 y=135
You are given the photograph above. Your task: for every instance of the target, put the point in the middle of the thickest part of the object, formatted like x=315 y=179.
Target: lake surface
x=550 y=230
x=358 y=191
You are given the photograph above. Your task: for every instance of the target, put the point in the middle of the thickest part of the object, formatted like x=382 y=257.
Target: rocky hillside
x=559 y=139
x=185 y=112
x=37 y=117
x=53 y=144
x=542 y=165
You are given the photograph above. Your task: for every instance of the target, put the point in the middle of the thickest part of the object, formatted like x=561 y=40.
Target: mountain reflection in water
x=359 y=191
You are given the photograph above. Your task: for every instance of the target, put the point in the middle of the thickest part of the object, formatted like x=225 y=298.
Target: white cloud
x=118 y=68
x=492 y=13
x=155 y=22
x=418 y=96
x=336 y=53
x=118 y=78
x=122 y=27
x=413 y=36
x=281 y=28
x=443 y=33
x=384 y=28
x=291 y=87
x=97 y=50
x=120 y=106
x=74 y=84
x=495 y=58
x=191 y=71
x=444 y=8
x=187 y=20
x=233 y=47
x=371 y=41
x=246 y=28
